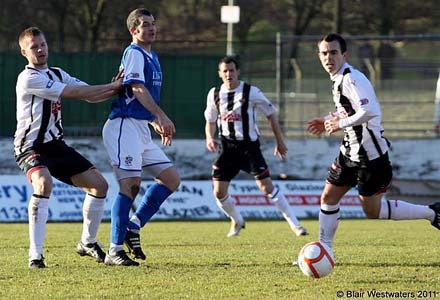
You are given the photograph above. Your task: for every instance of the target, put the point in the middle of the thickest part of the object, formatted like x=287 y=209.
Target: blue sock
x=120 y=213
x=150 y=204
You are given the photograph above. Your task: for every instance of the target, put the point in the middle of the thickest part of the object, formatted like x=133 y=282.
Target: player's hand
x=119 y=76
x=117 y=81
x=316 y=126
x=167 y=140
x=281 y=151
x=163 y=126
x=211 y=145
x=332 y=125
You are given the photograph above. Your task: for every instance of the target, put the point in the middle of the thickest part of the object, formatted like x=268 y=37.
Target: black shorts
x=372 y=177
x=239 y=155
x=62 y=161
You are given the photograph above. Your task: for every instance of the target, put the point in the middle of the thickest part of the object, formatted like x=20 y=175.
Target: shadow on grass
x=393 y=264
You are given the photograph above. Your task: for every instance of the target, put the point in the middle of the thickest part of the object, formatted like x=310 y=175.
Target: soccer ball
x=316 y=260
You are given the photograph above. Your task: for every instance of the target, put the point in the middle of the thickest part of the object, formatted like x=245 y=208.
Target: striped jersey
x=235 y=111
x=356 y=101
x=39 y=106
x=143 y=67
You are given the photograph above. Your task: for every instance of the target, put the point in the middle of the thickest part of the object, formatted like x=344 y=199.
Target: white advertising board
x=192 y=201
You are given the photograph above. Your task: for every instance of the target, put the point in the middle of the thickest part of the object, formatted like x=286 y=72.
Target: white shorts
x=131 y=149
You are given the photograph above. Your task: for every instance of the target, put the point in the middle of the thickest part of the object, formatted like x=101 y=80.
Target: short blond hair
x=28 y=32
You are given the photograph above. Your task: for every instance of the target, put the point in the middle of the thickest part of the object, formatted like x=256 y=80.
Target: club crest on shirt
x=132 y=76
x=49 y=84
x=128 y=160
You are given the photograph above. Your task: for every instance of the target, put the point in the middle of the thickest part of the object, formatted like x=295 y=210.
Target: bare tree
x=92 y=12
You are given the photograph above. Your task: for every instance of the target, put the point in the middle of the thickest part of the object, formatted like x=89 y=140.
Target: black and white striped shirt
x=235 y=115
x=355 y=98
x=39 y=106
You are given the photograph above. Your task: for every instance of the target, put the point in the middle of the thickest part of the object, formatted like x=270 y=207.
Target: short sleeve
x=36 y=83
x=211 y=111
x=261 y=102
x=133 y=67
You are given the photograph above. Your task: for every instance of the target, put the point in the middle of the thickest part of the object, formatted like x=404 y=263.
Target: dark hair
x=334 y=37
x=227 y=60
x=30 y=31
x=133 y=17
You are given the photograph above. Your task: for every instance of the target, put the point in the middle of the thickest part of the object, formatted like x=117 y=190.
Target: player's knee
x=99 y=189
x=102 y=186
x=220 y=195
x=134 y=190
x=266 y=190
x=174 y=183
x=170 y=178
x=42 y=185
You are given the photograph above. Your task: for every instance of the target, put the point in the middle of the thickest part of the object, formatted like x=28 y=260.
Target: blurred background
x=395 y=43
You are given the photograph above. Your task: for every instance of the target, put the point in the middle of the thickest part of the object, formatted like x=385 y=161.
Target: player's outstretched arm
x=92 y=93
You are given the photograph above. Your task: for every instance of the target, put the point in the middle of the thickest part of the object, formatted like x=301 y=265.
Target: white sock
x=401 y=210
x=38 y=211
x=115 y=248
x=227 y=205
x=278 y=198
x=328 y=223
x=134 y=219
x=93 y=209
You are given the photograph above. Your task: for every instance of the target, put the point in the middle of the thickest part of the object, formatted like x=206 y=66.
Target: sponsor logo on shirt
x=364 y=101
x=132 y=76
x=49 y=84
x=157 y=78
x=230 y=116
x=56 y=107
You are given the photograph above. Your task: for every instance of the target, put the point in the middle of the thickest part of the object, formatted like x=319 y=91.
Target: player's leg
x=38 y=212
x=227 y=204
x=377 y=207
x=166 y=183
x=224 y=169
x=277 y=197
x=120 y=212
x=123 y=144
x=342 y=175
x=159 y=166
x=374 y=181
x=95 y=186
x=35 y=166
x=69 y=166
x=329 y=214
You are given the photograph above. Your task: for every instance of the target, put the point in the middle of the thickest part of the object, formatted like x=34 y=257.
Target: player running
x=363 y=159
x=232 y=108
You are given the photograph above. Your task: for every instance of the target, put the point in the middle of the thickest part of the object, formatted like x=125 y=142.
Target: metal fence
x=299 y=87
x=403 y=69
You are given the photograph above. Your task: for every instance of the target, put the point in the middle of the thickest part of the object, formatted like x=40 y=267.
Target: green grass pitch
x=194 y=260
